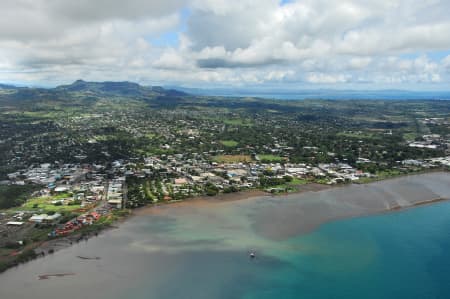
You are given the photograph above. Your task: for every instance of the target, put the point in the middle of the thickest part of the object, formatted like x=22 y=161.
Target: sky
x=304 y=44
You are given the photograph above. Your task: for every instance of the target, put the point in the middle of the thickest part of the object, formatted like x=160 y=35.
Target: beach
x=317 y=204
x=227 y=197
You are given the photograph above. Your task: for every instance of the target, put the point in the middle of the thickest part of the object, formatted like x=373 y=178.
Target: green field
x=410 y=136
x=271 y=158
x=290 y=186
x=45 y=204
x=229 y=143
x=297 y=181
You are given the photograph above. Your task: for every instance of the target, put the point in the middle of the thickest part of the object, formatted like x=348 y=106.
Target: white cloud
x=359 y=62
x=327 y=78
x=446 y=62
x=171 y=59
x=226 y=42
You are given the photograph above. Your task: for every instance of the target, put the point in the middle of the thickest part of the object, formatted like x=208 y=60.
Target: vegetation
x=100 y=123
x=126 y=120
x=15 y=195
x=229 y=143
x=232 y=158
x=45 y=204
x=211 y=189
x=271 y=158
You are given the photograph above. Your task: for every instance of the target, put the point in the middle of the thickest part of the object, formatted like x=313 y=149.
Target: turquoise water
x=397 y=255
x=201 y=250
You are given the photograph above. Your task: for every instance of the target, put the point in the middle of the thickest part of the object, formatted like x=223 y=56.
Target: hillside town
x=74 y=169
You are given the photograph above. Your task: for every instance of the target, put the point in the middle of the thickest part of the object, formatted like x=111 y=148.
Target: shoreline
x=53 y=245
x=308 y=225
x=258 y=193
x=231 y=197
x=248 y=194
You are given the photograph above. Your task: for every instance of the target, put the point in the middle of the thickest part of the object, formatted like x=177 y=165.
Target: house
x=115 y=203
x=61 y=189
x=180 y=181
x=14 y=223
x=38 y=218
x=44 y=218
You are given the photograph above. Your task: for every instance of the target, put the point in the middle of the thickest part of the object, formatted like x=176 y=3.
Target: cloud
x=359 y=62
x=55 y=42
x=327 y=78
x=226 y=42
x=172 y=60
x=88 y=10
x=25 y=20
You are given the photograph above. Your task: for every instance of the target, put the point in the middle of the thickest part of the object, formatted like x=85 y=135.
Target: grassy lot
x=410 y=136
x=321 y=181
x=229 y=143
x=290 y=186
x=45 y=203
x=381 y=175
x=232 y=158
x=297 y=181
x=61 y=196
x=271 y=158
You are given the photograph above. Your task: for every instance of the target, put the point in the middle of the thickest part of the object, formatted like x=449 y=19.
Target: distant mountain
x=86 y=93
x=7 y=86
x=91 y=91
x=128 y=89
x=169 y=92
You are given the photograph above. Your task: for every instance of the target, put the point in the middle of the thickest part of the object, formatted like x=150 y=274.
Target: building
x=44 y=218
x=115 y=203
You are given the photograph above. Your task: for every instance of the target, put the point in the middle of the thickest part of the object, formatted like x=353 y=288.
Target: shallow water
x=201 y=251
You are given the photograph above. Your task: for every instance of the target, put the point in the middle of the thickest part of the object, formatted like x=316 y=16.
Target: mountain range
x=93 y=89
x=127 y=89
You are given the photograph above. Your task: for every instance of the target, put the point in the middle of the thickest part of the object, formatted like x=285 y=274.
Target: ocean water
x=396 y=255
x=202 y=250
x=402 y=254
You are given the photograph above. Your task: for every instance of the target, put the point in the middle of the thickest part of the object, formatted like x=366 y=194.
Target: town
x=73 y=196
x=71 y=170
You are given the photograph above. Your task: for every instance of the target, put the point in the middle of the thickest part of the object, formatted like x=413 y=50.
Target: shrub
x=12 y=245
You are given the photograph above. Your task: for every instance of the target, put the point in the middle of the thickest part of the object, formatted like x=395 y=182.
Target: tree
x=211 y=189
